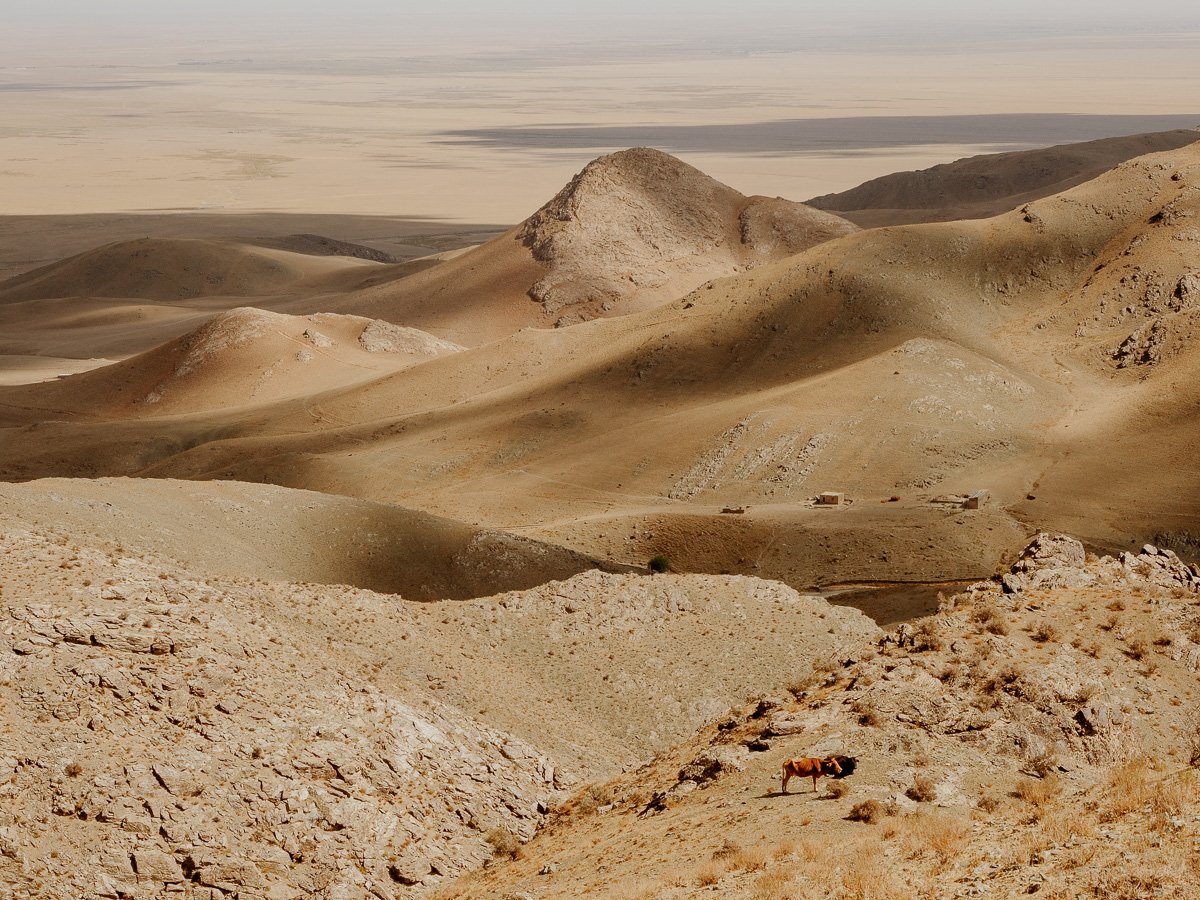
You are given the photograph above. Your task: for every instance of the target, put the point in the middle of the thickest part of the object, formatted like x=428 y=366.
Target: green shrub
x=660 y=564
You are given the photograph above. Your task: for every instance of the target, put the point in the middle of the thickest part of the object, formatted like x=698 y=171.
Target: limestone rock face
x=1050 y=560
x=167 y=740
x=268 y=739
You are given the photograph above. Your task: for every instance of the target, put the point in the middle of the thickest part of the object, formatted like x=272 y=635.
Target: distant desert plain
x=450 y=469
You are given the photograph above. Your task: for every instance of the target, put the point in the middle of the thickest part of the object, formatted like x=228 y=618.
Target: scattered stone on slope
x=1187 y=293
x=383 y=337
x=713 y=763
x=1144 y=347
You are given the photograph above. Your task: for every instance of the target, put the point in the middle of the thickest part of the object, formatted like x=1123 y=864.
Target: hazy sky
x=683 y=19
x=479 y=110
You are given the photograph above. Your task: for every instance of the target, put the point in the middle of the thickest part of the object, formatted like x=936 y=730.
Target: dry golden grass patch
x=734 y=857
x=1045 y=632
x=1042 y=764
x=784 y=849
x=871 y=811
x=750 y=859
x=777 y=884
x=811 y=850
x=1192 y=745
x=1174 y=795
x=1078 y=857
x=1126 y=788
x=990 y=619
x=867 y=714
x=927 y=635
x=1061 y=826
x=504 y=843
x=1137 y=646
x=942 y=835
x=1038 y=793
x=988 y=802
x=866 y=875
x=636 y=890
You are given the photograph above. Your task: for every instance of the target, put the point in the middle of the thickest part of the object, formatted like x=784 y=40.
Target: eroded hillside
x=163 y=732
x=1021 y=355
x=1037 y=735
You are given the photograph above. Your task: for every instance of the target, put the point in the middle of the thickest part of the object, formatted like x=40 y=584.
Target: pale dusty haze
x=467 y=111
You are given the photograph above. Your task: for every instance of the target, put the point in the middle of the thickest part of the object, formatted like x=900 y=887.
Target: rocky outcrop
x=639 y=220
x=1144 y=347
x=383 y=337
x=1057 y=560
x=1050 y=560
x=155 y=740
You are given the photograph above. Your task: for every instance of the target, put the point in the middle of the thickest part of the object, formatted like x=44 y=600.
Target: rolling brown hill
x=172 y=270
x=631 y=231
x=920 y=362
x=263 y=531
x=246 y=357
x=982 y=186
x=126 y=298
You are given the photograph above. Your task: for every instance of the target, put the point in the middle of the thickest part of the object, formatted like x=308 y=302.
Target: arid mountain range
x=1029 y=355
x=325 y=569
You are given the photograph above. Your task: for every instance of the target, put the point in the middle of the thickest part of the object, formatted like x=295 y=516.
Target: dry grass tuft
x=735 y=857
x=866 y=711
x=927 y=635
x=838 y=789
x=1127 y=788
x=504 y=843
x=750 y=859
x=942 y=835
x=1137 y=646
x=990 y=619
x=1193 y=746
x=923 y=790
x=777 y=884
x=867 y=876
x=1060 y=827
x=1038 y=792
x=1172 y=796
x=1046 y=632
x=588 y=799
x=871 y=811
x=1042 y=765
x=988 y=802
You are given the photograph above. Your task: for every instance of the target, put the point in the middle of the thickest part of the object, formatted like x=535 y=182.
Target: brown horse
x=809 y=767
